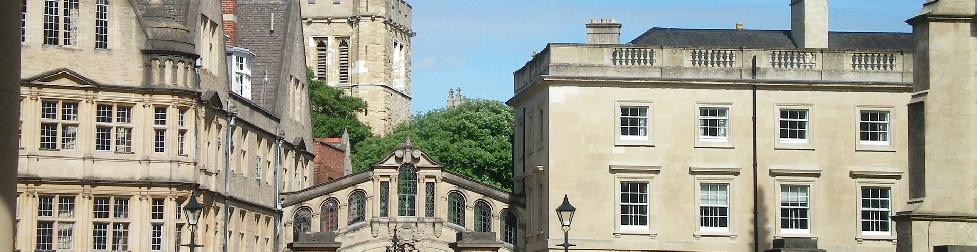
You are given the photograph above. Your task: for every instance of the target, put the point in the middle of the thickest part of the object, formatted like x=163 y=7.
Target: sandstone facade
x=364 y=48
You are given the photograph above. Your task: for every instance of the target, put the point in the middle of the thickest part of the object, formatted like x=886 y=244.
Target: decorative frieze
x=712 y=58
x=793 y=60
x=633 y=57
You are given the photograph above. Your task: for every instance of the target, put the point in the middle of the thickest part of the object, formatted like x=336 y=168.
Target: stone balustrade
x=633 y=56
x=712 y=58
x=633 y=62
x=793 y=60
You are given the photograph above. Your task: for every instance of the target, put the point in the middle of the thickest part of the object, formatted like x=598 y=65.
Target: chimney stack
x=603 y=31
x=229 y=23
x=739 y=26
x=809 y=23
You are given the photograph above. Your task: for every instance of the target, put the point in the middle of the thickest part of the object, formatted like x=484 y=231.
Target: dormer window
x=240 y=71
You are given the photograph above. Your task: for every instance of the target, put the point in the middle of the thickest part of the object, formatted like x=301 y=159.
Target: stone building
x=364 y=48
x=715 y=139
x=407 y=201
x=130 y=106
x=942 y=200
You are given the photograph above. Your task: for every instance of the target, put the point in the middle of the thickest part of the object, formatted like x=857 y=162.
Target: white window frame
x=160 y=147
x=101 y=25
x=115 y=125
x=705 y=229
x=58 y=220
x=620 y=139
x=886 y=146
x=112 y=221
x=637 y=174
x=710 y=141
x=241 y=75
x=864 y=179
x=790 y=143
x=715 y=175
x=61 y=124
x=811 y=207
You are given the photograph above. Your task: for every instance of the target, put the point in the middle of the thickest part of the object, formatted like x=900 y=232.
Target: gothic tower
x=363 y=47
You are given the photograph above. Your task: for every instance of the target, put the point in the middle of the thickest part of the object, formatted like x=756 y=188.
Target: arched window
x=329 y=219
x=508 y=226
x=456 y=208
x=302 y=222
x=407 y=190
x=357 y=207
x=483 y=217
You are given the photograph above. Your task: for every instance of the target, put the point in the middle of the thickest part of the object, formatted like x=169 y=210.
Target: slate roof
x=253 y=33
x=769 y=39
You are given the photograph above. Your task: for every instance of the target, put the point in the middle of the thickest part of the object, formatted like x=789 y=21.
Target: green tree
x=471 y=139
x=333 y=111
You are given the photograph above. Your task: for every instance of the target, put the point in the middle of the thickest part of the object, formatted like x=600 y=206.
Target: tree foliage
x=471 y=139
x=333 y=111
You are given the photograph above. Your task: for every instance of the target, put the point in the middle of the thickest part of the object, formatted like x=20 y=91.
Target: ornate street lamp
x=565 y=213
x=192 y=210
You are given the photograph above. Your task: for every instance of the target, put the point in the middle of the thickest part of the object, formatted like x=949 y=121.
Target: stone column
x=942 y=126
x=9 y=98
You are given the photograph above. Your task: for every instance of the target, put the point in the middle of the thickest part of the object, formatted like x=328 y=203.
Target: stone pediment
x=407 y=153
x=62 y=77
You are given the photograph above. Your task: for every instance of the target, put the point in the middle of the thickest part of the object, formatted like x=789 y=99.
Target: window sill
x=795 y=235
x=862 y=238
x=632 y=232
x=633 y=144
x=794 y=146
x=699 y=234
x=706 y=144
x=874 y=148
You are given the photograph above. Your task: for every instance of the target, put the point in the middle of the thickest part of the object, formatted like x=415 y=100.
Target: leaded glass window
x=384 y=198
x=456 y=208
x=508 y=227
x=329 y=218
x=407 y=190
x=357 y=207
x=301 y=223
x=483 y=217
x=429 y=199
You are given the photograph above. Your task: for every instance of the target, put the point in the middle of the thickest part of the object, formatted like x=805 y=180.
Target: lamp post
x=192 y=210
x=565 y=213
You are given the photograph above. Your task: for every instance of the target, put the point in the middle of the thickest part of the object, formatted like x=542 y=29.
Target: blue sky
x=476 y=45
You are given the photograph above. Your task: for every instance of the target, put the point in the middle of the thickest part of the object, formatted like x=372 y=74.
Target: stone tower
x=363 y=47
x=942 y=207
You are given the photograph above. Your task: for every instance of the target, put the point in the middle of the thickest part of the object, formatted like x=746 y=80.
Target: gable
x=62 y=77
x=406 y=153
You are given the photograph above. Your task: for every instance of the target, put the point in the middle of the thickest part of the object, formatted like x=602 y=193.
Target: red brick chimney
x=228 y=8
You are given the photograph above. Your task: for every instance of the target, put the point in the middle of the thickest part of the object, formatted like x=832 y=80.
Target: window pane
x=407 y=190
x=634 y=204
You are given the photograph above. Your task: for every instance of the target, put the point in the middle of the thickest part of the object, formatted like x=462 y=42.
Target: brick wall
x=229 y=8
x=328 y=163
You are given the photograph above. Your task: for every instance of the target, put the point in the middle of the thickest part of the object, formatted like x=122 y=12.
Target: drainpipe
x=756 y=185
x=231 y=118
x=278 y=201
